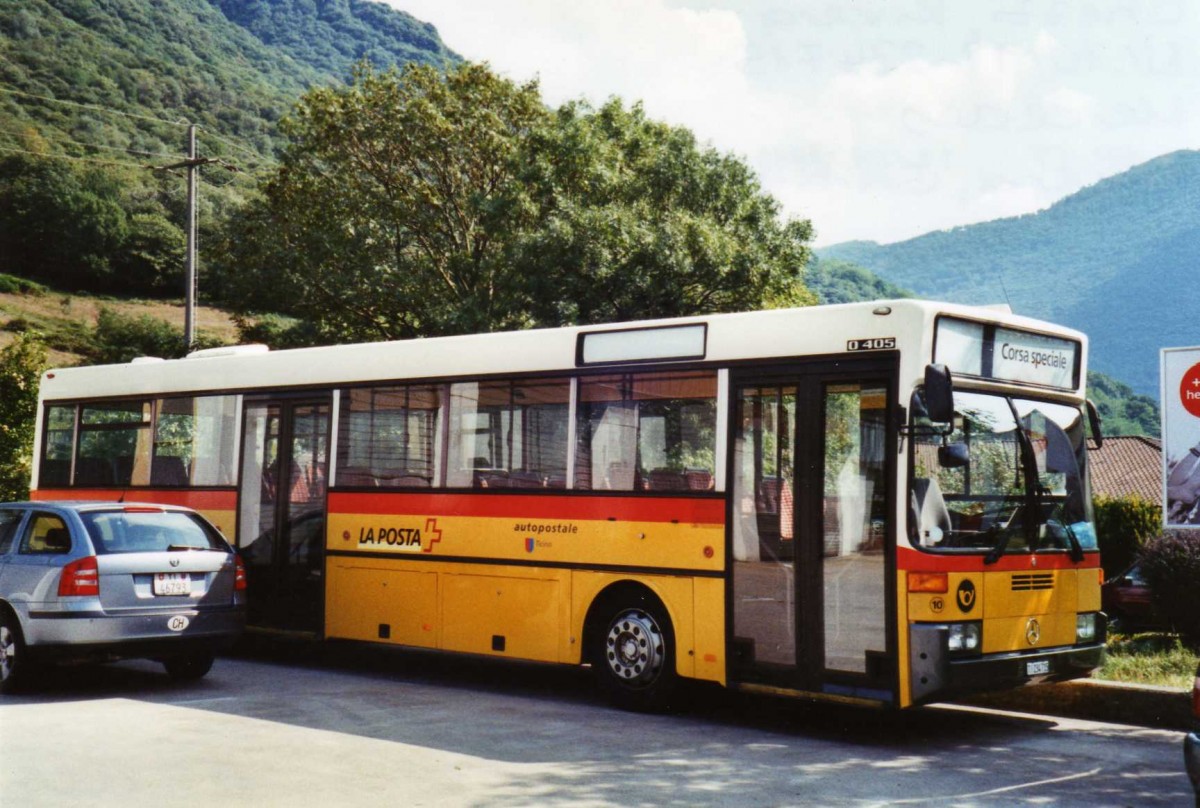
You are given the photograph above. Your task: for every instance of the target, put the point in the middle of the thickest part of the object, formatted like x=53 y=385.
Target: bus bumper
x=937 y=675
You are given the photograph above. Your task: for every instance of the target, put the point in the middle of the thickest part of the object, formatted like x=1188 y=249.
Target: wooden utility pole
x=189 y=297
x=192 y=164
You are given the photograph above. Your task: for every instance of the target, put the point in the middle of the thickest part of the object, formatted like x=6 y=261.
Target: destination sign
x=1007 y=354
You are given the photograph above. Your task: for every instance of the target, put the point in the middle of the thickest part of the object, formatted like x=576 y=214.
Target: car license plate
x=172 y=583
x=1037 y=668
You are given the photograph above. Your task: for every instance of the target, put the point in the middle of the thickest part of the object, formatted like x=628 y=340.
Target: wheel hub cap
x=635 y=647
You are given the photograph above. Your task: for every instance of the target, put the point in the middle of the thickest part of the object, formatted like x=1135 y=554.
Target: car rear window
x=149 y=532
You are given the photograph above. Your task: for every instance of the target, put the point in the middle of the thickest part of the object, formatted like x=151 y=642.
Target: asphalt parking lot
x=301 y=724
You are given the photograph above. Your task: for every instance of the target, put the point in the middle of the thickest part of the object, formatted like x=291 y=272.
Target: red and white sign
x=1189 y=390
x=1181 y=437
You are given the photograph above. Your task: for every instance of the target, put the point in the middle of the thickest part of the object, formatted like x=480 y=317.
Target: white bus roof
x=778 y=333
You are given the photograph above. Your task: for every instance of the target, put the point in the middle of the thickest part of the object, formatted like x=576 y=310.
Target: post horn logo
x=1033 y=631
x=965 y=596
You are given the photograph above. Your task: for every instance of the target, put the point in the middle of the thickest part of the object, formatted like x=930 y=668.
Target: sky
x=876 y=119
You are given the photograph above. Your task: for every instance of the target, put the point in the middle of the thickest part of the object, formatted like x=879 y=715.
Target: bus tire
x=633 y=653
x=15 y=665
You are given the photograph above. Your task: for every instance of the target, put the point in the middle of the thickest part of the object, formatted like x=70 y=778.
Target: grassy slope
x=65 y=319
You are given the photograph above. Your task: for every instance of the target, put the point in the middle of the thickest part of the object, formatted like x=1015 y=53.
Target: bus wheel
x=635 y=656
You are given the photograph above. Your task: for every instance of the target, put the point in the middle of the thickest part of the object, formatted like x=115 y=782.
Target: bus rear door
x=281 y=510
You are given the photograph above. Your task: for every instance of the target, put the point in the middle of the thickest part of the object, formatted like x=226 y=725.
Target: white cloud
x=878 y=119
x=687 y=66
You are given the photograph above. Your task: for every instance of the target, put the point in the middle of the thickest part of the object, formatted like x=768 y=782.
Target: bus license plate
x=172 y=583
x=1037 y=668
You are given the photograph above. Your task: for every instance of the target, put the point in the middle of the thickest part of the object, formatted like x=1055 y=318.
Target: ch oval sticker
x=178 y=622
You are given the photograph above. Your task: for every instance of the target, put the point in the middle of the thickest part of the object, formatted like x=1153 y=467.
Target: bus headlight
x=1085 y=627
x=964 y=638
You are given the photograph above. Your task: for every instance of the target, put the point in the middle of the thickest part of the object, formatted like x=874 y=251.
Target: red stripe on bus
x=909 y=559
x=198 y=500
x=629 y=509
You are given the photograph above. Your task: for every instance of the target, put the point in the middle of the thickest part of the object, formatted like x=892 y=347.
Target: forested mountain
x=95 y=98
x=331 y=35
x=232 y=66
x=1123 y=411
x=1112 y=260
x=834 y=281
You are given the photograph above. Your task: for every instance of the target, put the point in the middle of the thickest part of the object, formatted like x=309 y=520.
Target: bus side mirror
x=939 y=394
x=1094 y=422
x=954 y=456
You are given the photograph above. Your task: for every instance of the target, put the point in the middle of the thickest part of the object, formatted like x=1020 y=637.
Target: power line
x=69 y=157
x=92 y=107
x=60 y=139
x=234 y=144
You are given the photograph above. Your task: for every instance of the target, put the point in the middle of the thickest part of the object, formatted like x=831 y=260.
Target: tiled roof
x=1127 y=465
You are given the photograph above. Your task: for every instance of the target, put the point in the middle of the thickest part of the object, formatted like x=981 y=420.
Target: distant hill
x=1115 y=260
x=834 y=281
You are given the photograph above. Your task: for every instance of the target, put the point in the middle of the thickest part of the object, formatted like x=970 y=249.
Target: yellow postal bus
x=883 y=502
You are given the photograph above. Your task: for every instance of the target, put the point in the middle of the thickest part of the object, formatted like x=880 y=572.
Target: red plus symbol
x=1189 y=390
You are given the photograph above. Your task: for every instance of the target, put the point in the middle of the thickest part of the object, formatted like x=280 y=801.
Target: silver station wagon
x=100 y=581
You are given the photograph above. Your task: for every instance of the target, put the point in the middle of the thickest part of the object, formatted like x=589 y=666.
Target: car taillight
x=80 y=577
x=1196 y=697
x=239 y=574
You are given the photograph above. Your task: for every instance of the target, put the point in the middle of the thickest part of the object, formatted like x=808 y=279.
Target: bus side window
x=388 y=436
x=647 y=432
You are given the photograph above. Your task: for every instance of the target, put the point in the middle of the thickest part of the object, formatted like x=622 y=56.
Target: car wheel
x=14 y=662
x=188 y=667
x=633 y=654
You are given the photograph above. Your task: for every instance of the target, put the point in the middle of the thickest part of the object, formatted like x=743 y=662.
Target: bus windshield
x=1012 y=477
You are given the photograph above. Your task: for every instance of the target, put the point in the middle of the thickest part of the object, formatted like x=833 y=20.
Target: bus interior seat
x=526 y=479
x=123 y=470
x=665 y=480
x=168 y=470
x=699 y=480
x=94 y=471
x=56 y=472
x=357 y=476
x=410 y=481
x=929 y=510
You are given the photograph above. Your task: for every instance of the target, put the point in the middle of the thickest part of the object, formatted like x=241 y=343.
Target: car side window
x=9 y=520
x=47 y=534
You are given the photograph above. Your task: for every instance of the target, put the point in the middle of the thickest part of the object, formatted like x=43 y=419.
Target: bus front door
x=812 y=602
x=281 y=511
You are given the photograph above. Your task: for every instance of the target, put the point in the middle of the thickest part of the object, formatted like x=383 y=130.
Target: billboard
x=1181 y=437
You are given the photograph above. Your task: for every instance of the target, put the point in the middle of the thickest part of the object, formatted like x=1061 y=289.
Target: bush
x=21 y=365
x=276 y=331
x=1123 y=525
x=120 y=338
x=1171 y=566
x=12 y=285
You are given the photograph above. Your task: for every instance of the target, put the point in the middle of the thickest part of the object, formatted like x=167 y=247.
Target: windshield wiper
x=190 y=547
x=998 y=548
x=1076 y=547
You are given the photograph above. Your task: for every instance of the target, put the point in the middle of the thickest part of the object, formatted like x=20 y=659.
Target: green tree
x=419 y=203
x=21 y=366
x=637 y=220
x=389 y=213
